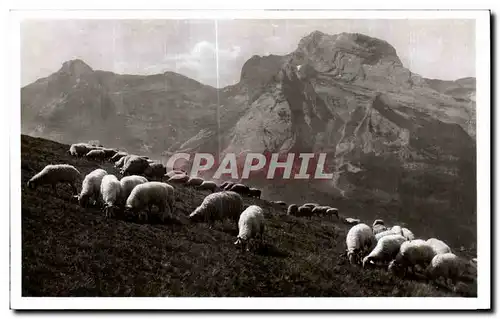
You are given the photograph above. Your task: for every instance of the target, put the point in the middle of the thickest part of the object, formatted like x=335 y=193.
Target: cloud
x=201 y=61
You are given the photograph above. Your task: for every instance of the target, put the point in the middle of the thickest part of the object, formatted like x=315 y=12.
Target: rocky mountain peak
x=75 y=67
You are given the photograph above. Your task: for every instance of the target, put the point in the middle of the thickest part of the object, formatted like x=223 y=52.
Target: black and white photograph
x=318 y=159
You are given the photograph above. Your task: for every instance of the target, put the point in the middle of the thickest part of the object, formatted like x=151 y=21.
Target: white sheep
x=148 y=194
x=118 y=156
x=209 y=185
x=120 y=162
x=351 y=221
x=395 y=230
x=195 y=181
x=96 y=155
x=110 y=193
x=54 y=174
x=378 y=226
x=91 y=187
x=450 y=266
x=407 y=234
x=359 y=239
x=218 y=206
x=439 y=246
x=80 y=149
x=134 y=165
x=250 y=225
x=411 y=254
x=129 y=182
x=385 y=250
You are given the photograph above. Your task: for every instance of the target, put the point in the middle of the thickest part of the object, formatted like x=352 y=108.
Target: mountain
x=402 y=147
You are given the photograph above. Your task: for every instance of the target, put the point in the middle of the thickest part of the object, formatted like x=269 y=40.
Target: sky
x=440 y=49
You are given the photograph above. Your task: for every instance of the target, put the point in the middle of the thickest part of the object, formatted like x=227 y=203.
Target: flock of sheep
x=142 y=187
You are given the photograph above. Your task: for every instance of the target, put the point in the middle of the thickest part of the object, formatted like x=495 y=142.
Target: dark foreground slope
x=68 y=251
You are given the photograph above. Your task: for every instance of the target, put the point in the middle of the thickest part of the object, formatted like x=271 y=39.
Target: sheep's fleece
x=218 y=206
x=250 y=224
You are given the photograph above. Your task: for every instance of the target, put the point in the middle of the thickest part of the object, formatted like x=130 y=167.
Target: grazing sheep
x=148 y=194
x=91 y=187
x=293 y=210
x=320 y=210
x=450 y=266
x=407 y=234
x=99 y=155
x=378 y=226
x=332 y=212
x=412 y=253
x=155 y=170
x=438 y=246
x=109 y=152
x=172 y=173
x=359 y=239
x=110 y=192
x=134 y=165
x=385 y=250
x=218 y=206
x=279 y=202
x=80 y=149
x=240 y=189
x=118 y=156
x=55 y=174
x=129 y=182
x=121 y=161
x=195 y=181
x=228 y=186
x=178 y=179
x=304 y=211
x=311 y=205
x=209 y=185
x=351 y=221
x=395 y=230
x=250 y=225
x=254 y=192
x=224 y=184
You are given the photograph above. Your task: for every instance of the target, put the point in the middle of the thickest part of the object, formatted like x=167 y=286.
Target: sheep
x=129 y=182
x=121 y=161
x=332 y=212
x=240 y=189
x=250 y=225
x=254 y=192
x=311 y=205
x=155 y=170
x=438 y=246
x=134 y=165
x=208 y=185
x=111 y=192
x=351 y=221
x=385 y=250
x=228 y=186
x=378 y=226
x=407 y=234
x=118 y=156
x=178 y=179
x=218 y=206
x=172 y=173
x=109 y=152
x=222 y=185
x=304 y=211
x=54 y=174
x=80 y=149
x=151 y=193
x=194 y=181
x=358 y=240
x=412 y=253
x=96 y=155
x=450 y=266
x=91 y=187
x=395 y=230
x=292 y=210
x=320 y=210
x=279 y=202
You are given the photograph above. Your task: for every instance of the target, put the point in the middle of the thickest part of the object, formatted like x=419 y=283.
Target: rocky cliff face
x=399 y=145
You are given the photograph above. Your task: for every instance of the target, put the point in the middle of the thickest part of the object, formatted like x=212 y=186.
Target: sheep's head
x=241 y=242
x=83 y=200
x=195 y=215
x=378 y=222
x=31 y=184
x=367 y=261
x=352 y=256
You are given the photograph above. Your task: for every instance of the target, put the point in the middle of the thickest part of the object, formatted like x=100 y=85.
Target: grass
x=70 y=251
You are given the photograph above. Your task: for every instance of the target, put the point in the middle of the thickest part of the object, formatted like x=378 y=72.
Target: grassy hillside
x=69 y=251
